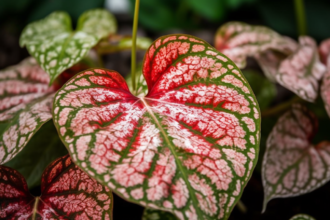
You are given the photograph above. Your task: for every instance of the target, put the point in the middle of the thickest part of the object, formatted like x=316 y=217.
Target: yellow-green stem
x=240 y=205
x=300 y=17
x=133 y=60
x=35 y=208
x=281 y=107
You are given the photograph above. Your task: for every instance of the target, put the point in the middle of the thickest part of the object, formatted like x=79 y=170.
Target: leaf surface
x=324 y=50
x=239 y=40
x=15 y=200
x=302 y=217
x=188 y=147
x=25 y=104
x=57 y=47
x=301 y=71
x=292 y=165
x=43 y=148
x=67 y=193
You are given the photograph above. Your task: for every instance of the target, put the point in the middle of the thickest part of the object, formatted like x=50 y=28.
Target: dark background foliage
x=197 y=17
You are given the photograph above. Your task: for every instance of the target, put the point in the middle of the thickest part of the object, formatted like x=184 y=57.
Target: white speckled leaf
x=292 y=165
x=302 y=70
x=324 y=50
x=302 y=217
x=188 y=147
x=239 y=40
x=25 y=104
x=57 y=47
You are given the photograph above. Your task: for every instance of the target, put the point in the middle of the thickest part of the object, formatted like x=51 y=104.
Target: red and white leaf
x=324 y=50
x=67 y=193
x=238 y=41
x=302 y=217
x=26 y=102
x=292 y=165
x=189 y=147
x=302 y=70
x=15 y=200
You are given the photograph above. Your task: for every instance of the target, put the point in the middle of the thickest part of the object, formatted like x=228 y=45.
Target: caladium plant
x=66 y=193
x=295 y=66
x=25 y=104
x=57 y=47
x=292 y=165
x=188 y=147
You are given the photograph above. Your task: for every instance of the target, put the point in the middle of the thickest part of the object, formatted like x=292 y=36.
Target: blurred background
x=200 y=18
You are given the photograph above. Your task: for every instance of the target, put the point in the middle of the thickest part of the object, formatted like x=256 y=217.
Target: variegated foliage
x=302 y=217
x=188 y=147
x=292 y=165
x=25 y=104
x=325 y=87
x=67 y=193
x=57 y=47
x=295 y=66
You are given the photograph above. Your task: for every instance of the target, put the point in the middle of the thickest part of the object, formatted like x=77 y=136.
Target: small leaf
x=302 y=70
x=292 y=165
x=56 y=47
x=153 y=214
x=66 y=192
x=238 y=41
x=15 y=199
x=324 y=50
x=189 y=147
x=43 y=148
x=25 y=100
x=302 y=217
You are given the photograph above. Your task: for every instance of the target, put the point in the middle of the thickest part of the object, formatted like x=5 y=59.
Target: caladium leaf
x=292 y=165
x=153 y=214
x=67 y=192
x=38 y=154
x=239 y=40
x=324 y=51
x=302 y=70
x=302 y=217
x=25 y=102
x=57 y=47
x=188 y=147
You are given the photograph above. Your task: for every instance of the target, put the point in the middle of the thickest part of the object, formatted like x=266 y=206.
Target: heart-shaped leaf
x=292 y=165
x=238 y=40
x=302 y=217
x=302 y=70
x=25 y=100
x=324 y=50
x=189 y=147
x=57 y=47
x=153 y=214
x=67 y=193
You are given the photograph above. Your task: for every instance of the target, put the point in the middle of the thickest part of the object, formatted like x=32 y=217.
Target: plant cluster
x=181 y=137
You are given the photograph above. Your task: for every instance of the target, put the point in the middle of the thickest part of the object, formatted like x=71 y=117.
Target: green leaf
x=211 y=9
x=292 y=164
x=188 y=147
x=25 y=105
x=44 y=147
x=57 y=47
x=264 y=90
x=302 y=217
x=153 y=214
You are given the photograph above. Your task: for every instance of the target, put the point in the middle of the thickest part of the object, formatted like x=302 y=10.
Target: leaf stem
x=300 y=16
x=35 y=207
x=133 y=59
x=281 y=107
